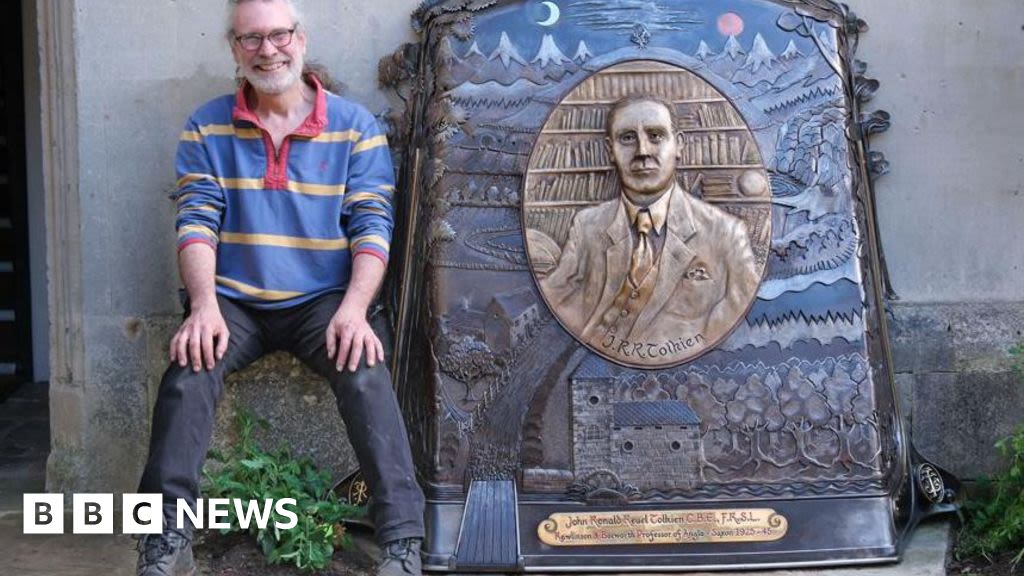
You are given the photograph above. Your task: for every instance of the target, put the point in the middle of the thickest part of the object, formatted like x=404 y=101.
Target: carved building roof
x=595 y=368
x=656 y=413
x=513 y=304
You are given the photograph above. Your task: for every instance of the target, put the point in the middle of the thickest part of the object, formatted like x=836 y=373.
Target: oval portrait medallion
x=647 y=214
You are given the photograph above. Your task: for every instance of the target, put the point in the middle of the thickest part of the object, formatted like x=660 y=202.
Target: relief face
x=647 y=210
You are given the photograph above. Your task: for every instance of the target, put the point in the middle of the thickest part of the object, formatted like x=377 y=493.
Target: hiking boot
x=401 y=558
x=167 y=554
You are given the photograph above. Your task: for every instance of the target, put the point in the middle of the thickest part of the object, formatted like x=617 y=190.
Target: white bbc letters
x=250 y=511
x=43 y=514
x=293 y=518
x=219 y=508
x=92 y=513
x=195 y=515
x=142 y=514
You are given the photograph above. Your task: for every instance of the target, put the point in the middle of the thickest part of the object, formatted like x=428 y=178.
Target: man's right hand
x=199 y=333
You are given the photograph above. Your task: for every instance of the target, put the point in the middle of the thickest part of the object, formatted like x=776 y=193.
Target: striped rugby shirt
x=285 y=227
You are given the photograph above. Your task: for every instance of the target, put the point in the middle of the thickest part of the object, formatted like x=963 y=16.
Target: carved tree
x=807 y=413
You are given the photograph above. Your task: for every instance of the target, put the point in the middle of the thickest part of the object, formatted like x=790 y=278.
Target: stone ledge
x=953 y=373
x=955 y=337
x=299 y=406
x=958 y=417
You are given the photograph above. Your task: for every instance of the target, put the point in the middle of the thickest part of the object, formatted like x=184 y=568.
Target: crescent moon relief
x=554 y=15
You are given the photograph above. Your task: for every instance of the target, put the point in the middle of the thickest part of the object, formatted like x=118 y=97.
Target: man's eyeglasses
x=279 y=38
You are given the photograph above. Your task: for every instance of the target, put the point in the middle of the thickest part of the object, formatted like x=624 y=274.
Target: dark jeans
x=183 y=417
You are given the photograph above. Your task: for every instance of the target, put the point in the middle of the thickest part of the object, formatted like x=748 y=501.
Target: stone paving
x=83 y=555
x=24 y=444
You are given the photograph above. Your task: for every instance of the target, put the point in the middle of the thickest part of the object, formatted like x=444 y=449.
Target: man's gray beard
x=279 y=85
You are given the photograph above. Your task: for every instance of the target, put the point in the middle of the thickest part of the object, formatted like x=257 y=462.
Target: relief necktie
x=643 y=256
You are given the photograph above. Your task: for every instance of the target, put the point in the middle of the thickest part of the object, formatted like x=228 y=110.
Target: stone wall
x=950 y=215
x=657 y=457
x=645 y=457
x=591 y=424
x=955 y=380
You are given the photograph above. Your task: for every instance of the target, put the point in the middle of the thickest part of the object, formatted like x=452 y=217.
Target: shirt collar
x=311 y=127
x=658 y=210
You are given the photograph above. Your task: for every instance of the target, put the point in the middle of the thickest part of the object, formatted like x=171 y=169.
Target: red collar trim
x=311 y=127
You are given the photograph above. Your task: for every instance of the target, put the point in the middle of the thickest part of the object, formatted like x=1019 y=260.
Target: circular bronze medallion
x=647 y=214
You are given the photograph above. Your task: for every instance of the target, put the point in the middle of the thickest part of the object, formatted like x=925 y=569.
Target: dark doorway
x=15 y=288
x=24 y=404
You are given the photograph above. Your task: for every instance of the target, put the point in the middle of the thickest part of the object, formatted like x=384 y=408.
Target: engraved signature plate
x=662 y=527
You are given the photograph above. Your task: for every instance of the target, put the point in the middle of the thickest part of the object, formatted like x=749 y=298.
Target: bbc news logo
x=143 y=513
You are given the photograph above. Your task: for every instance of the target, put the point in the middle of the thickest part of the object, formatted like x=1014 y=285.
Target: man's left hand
x=349 y=337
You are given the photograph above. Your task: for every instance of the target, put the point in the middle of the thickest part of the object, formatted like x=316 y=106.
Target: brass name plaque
x=662 y=527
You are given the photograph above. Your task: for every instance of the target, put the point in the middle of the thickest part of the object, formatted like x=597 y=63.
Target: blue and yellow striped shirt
x=285 y=226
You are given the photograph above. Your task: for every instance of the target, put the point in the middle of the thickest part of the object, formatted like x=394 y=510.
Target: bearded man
x=284 y=218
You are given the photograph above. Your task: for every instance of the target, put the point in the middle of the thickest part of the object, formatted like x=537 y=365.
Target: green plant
x=995 y=525
x=248 y=472
x=1017 y=356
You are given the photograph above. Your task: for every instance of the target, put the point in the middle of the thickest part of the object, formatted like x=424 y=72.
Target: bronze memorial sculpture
x=639 y=299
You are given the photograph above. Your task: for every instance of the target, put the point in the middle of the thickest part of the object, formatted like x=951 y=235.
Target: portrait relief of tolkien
x=647 y=214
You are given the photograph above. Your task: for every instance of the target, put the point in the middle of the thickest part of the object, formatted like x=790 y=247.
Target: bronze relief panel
x=640 y=279
x=646 y=205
